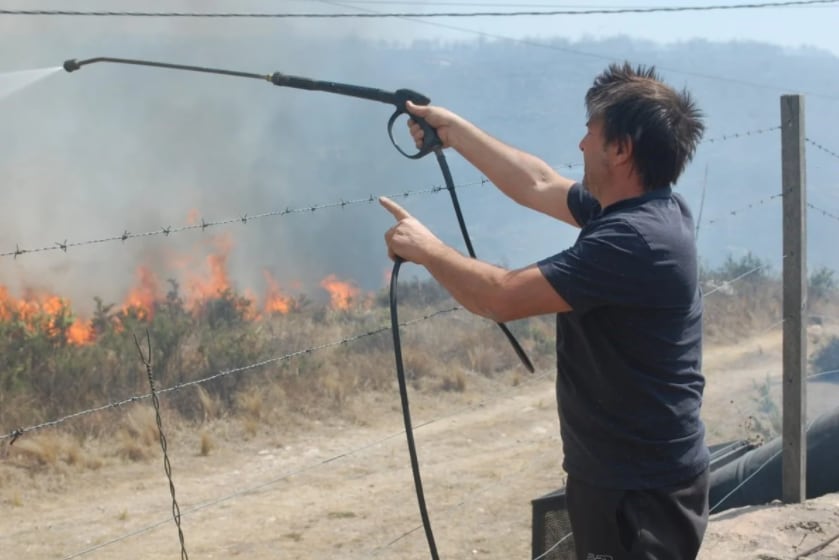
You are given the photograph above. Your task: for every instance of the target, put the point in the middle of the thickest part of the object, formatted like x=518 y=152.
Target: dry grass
x=450 y=353
x=210 y=406
x=729 y=317
x=139 y=437
x=207 y=443
x=454 y=382
x=48 y=449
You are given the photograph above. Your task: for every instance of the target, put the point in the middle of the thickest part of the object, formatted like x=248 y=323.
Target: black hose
x=406 y=412
x=447 y=175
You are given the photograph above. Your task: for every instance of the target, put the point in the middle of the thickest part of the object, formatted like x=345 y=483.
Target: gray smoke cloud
x=111 y=148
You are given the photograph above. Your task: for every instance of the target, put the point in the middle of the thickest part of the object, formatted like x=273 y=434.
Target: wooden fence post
x=794 y=458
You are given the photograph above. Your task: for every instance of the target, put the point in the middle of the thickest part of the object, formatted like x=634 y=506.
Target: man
x=628 y=305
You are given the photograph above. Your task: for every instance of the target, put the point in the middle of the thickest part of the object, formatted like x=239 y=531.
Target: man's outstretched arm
x=484 y=289
x=523 y=177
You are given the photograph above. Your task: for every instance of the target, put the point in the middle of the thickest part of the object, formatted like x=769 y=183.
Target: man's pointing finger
x=398 y=212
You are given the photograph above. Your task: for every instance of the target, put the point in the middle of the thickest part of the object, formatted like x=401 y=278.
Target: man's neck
x=620 y=191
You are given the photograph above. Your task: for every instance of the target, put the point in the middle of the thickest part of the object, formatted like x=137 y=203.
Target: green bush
x=822 y=284
x=826 y=358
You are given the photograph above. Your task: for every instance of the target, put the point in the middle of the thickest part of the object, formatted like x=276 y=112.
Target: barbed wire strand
x=822 y=373
x=823 y=212
x=324 y=15
x=821 y=147
x=333 y=458
x=736 y=135
x=244 y=219
x=755 y=204
x=15 y=434
x=63 y=246
x=727 y=283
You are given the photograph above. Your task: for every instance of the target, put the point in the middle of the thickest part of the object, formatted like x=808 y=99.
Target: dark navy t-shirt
x=629 y=381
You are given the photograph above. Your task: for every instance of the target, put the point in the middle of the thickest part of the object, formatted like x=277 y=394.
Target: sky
x=811 y=26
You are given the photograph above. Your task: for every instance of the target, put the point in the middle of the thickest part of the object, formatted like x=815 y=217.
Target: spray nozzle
x=71 y=65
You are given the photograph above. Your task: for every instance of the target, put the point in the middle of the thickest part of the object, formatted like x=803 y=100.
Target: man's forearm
x=513 y=171
x=474 y=284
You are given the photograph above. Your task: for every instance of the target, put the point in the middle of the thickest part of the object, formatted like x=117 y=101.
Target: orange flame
x=142 y=296
x=275 y=300
x=80 y=333
x=219 y=281
x=341 y=294
x=51 y=314
x=44 y=313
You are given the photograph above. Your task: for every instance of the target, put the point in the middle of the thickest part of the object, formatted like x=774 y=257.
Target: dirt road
x=341 y=489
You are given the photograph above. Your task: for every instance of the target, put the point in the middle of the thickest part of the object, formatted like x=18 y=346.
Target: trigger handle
x=430 y=139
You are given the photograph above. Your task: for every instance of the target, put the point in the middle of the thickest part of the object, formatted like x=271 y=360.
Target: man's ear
x=623 y=149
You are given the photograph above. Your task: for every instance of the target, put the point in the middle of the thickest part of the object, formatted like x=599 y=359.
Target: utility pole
x=794 y=457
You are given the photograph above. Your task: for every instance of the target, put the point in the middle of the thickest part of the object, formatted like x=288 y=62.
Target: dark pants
x=660 y=524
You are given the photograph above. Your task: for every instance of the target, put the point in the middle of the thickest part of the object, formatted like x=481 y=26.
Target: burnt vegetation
x=45 y=374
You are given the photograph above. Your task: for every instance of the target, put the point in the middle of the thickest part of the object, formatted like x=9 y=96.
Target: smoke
x=113 y=148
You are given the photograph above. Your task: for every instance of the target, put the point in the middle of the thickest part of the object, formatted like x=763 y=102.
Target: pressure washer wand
x=396 y=98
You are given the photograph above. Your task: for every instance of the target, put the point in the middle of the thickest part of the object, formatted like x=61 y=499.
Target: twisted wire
x=167 y=466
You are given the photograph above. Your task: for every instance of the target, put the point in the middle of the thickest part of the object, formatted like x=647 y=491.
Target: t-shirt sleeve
x=582 y=204
x=607 y=266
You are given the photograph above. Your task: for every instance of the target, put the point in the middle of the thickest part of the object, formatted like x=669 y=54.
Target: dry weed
x=483 y=358
x=419 y=364
x=139 y=436
x=210 y=406
x=250 y=427
x=207 y=443
x=336 y=387
x=455 y=382
x=49 y=450
x=250 y=403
